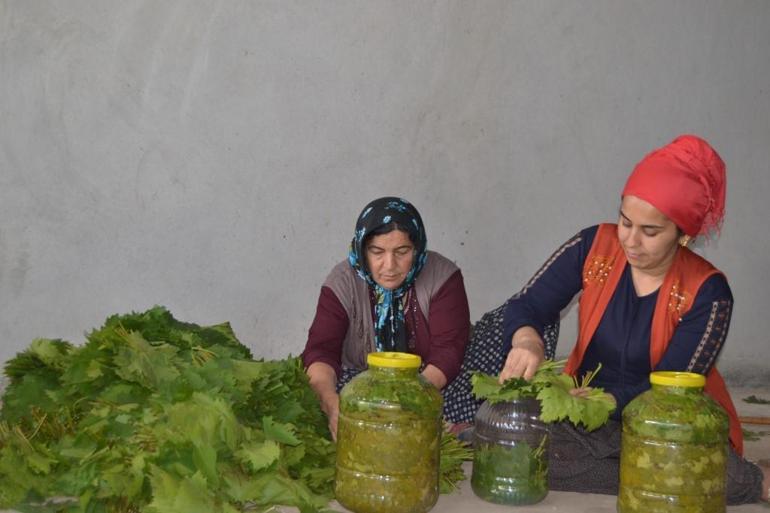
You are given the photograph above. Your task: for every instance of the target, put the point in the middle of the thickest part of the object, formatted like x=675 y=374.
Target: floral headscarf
x=389 y=329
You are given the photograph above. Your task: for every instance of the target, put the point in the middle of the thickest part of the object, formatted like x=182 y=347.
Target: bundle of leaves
x=562 y=397
x=453 y=453
x=155 y=415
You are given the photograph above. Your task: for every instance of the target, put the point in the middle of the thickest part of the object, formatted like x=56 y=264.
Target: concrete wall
x=212 y=156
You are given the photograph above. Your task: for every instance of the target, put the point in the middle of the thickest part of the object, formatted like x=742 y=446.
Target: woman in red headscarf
x=647 y=303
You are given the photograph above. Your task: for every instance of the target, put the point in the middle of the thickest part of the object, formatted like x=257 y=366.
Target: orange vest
x=601 y=273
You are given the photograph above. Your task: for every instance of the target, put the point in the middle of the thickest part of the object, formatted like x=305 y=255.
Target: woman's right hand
x=323 y=381
x=526 y=354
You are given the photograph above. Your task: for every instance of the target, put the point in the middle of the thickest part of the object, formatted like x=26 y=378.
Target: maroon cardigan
x=440 y=340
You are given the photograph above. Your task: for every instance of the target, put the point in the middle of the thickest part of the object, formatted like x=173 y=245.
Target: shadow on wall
x=745 y=375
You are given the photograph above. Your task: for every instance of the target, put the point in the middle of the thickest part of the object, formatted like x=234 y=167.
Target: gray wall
x=212 y=156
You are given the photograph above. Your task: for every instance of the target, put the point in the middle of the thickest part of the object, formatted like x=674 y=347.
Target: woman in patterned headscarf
x=389 y=222
x=647 y=303
x=390 y=294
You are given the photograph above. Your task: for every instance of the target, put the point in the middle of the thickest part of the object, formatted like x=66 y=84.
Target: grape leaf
x=259 y=455
x=555 y=392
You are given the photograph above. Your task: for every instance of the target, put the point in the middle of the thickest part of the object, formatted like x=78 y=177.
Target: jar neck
x=678 y=390
x=393 y=371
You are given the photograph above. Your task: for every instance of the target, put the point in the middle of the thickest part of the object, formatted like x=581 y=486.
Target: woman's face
x=389 y=258
x=648 y=237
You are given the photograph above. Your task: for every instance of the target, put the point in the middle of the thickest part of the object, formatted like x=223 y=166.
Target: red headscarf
x=686 y=181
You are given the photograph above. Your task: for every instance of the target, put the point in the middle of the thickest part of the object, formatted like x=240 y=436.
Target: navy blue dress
x=622 y=340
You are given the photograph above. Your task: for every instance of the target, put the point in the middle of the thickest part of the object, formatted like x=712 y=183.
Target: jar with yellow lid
x=674 y=448
x=388 y=438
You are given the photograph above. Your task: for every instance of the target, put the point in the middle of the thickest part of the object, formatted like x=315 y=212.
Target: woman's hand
x=526 y=354
x=586 y=391
x=323 y=381
x=436 y=377
x=331 y=407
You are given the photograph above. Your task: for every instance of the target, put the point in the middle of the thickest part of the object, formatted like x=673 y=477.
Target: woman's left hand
x=435 y=376
x=586 y=391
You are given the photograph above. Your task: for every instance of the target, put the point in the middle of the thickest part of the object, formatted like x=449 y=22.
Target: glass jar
x=510 y=462
x=388 y=438
x=674 y=448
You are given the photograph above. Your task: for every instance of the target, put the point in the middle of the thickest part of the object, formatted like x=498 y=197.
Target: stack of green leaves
x=561 y=396
x=155 y=415
x=453 y=453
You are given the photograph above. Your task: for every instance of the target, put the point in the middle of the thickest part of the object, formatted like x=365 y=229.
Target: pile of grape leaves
x=155 y=415
x=591 y=407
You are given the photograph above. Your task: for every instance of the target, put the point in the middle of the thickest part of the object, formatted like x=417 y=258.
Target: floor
x=464 y=501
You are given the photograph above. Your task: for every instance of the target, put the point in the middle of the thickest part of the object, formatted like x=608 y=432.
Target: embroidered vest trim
x=602 y=270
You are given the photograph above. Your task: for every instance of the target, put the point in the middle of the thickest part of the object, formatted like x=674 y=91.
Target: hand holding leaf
x=561 y=396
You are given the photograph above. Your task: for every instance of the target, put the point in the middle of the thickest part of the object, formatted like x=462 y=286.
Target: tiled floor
x=464 y=501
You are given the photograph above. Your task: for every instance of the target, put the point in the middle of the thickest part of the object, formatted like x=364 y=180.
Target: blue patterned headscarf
x=389 y=330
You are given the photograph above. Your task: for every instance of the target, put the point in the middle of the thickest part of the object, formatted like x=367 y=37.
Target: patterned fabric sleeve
x=551 y=289
x=700 y=335
x=449 y=325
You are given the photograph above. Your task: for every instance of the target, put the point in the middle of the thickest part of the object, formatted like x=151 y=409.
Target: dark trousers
x=582 y=461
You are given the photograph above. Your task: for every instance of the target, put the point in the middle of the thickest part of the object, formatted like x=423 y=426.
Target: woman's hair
x=387 y=228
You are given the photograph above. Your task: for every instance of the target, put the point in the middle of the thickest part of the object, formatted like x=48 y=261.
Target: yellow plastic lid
x=393 y=359
x=678 y=379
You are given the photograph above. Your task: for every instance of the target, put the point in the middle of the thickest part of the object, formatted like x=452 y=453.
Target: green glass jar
x=388 y=438
x=674 y=448
x=510 y=462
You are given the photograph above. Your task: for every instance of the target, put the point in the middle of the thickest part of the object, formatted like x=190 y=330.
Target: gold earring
x=685 y=241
